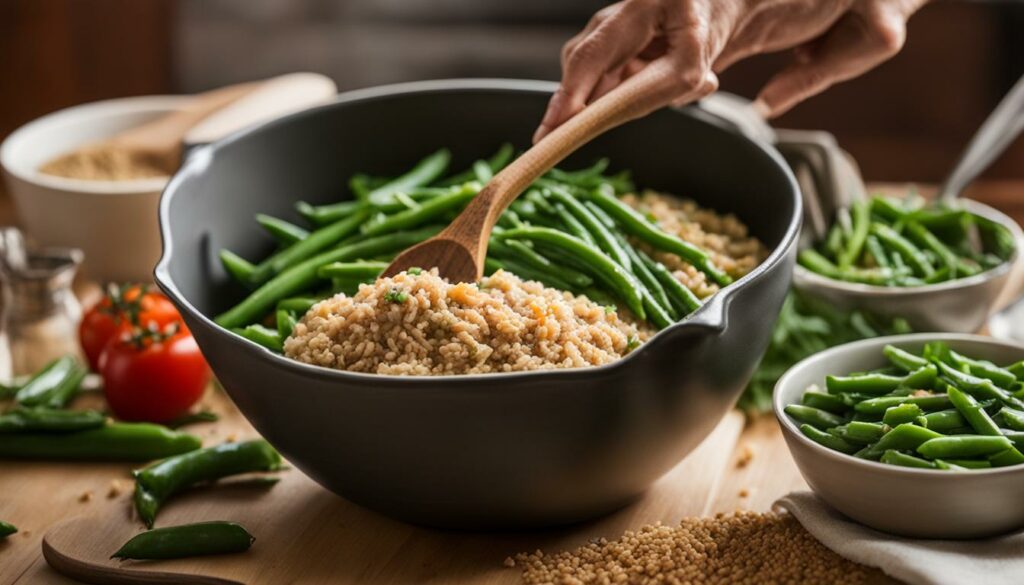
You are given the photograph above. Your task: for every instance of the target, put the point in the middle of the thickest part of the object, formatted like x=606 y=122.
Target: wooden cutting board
x=305 y=534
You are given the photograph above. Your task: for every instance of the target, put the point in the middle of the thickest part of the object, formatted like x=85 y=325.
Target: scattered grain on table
x=85 y=497
x=741 y=548
x=746 y=456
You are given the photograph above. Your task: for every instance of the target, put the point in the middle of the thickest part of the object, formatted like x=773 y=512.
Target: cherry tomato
x=153 y=379
x=110 y=317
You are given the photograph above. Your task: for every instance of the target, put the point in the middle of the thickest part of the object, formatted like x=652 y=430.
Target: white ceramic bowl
x=113 y=222
x=921 y=503
x=958 y=306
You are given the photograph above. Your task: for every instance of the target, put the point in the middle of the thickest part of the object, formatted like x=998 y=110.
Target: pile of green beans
x=569 y=231
x=935 y=410
x=806 y=326
x=903 y=243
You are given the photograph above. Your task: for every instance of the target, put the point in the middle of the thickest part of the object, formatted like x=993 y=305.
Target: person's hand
x=832 y=40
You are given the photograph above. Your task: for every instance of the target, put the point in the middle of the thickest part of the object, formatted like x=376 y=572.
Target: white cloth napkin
x=993 y=561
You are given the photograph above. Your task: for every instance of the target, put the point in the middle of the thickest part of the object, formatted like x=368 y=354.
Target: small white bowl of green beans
x=918 y=435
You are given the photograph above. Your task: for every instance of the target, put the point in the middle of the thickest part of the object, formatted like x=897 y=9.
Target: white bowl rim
x=790 y=428
x=102 y=108
x=871 y=290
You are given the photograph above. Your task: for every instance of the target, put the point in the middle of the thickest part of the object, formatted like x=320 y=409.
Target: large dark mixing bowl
x=521 y=449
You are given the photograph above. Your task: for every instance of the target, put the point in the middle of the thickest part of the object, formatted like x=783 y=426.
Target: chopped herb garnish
x=396 y=295
x=415 y=271
x=609 y=309
x=633 y=343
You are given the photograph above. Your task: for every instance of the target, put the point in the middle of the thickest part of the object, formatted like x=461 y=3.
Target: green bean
x=240 y=269
x=642 y=271
x=944 y=421
x=882 y=403
x=265 y=336
x=861 y=213
x=203 y=416
x=299 y=277
x=7 y=529
x=285 y=322
x=327 y=214
x=482 y=171
x=904 y=413
x=986 y=369
x=978 y=387
x=825 y=439
x=44 y=419
x=113 y=442
x=864 y=432
x=656 y=313
x=284 y=232
x=905 y=360
x=530 y=256
x=683 y=300
x=353 y=270
x=816 y=262
x=425 y=172
x=497 y=162
x=880 y=383
x=931 y=242
x=963 y=446
x=887 y=209
x=905 y=248
x=976 y=416
x=1011 y=456
x=187 y=540
x=970 y=463
x=583 y=178
x=903 y=460
x=1012 y=418
x=877 y=252
x=1017 y=369
x=159 y=481
x=429 y=211
x=813 y=416
x=904 y=437
x=619 y=279
x=637 y=225
x=823 y=401
x=317 y=241
x=526 y=272
x=1016 y=436
x=53 y=386
x=8 y=391
x=573 y=225
x=601 y=234
x=297 y=304
x=834 y=240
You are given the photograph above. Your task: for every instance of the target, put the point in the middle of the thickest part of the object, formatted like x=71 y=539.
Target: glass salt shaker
x=40 y=313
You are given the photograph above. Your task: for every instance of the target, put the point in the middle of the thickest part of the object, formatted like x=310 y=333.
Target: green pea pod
x=827 y=402
x=113 y=442
x=187 y=540
x=944 y=421
x=827 y=440
x=304 y=274
x=963 y=446
x=284 y=232
x=904 y=437
x=54 y=385
x=637 y=225
x=903 y=460
x=813 y=416
x=1012 y=418
x=49 y=420
x=156 y=483
x=1011 y=456
x=7 y=529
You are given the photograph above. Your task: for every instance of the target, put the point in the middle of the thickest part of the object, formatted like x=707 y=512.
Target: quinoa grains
x=737 y=548
x=420 y=324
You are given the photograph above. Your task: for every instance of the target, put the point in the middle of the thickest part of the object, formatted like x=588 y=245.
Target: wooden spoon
x=458 y=251
x=155 y=147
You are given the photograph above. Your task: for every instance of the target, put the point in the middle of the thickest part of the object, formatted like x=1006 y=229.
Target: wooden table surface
x=742 y=465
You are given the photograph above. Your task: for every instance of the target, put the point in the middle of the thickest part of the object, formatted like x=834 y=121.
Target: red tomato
x=110 y=317
x=156 y=382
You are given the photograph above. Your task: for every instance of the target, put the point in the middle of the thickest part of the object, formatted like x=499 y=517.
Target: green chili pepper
x=7 y=529
x=620 y=280
x=284 y=232
x=113 y=442
x=44 y=419
x=971 y=410
x=316 y=242
x=896 y=458
x=813 y=416
x=299 y=277
x=963 y=446
x=187 y=540
x=828 y=440
x=638 y=226
x=54 y=385
x=156 y=483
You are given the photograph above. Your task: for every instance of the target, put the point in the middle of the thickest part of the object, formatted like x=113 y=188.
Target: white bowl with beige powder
x=113 y=221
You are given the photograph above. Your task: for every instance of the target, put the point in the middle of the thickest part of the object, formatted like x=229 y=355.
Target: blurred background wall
x=906 y=120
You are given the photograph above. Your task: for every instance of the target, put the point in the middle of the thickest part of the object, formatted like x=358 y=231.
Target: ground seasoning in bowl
x=728 y=549
x=420 y=324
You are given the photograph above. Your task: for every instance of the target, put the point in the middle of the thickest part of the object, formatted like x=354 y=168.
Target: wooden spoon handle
x=652 y=87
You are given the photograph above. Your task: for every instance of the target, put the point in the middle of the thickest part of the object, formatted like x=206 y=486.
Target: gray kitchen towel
x=992 y=561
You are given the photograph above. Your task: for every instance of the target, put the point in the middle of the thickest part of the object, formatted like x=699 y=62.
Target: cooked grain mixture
x=723 y=236
x=423 y=325
x=735 y=549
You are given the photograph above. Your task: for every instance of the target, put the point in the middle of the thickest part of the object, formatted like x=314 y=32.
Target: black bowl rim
x=710 y=317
